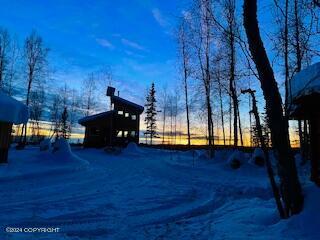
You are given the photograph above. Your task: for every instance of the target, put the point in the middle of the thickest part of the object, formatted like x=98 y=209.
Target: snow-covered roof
x=126 y=102
x=95 y=117
x=305 y=83
x=12 y=111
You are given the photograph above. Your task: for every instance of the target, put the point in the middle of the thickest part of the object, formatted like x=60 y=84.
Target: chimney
x=110 y=91
x=118 y=93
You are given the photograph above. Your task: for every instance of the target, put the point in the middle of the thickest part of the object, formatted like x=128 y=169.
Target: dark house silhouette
x=304 y=104
x=116 y=127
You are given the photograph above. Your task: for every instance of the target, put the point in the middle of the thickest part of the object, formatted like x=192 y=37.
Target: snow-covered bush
x=45 y=145
x=236 y=159
x=62 y=149
x=258 y=157
x=61 y=145
x=132 y=148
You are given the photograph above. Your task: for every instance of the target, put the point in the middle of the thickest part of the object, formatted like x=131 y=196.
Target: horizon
x=138 y=46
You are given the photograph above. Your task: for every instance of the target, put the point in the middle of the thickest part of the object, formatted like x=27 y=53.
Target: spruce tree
x=151 y=113
x=65 y=126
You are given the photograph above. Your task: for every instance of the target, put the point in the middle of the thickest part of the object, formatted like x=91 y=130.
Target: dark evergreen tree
x=265 y=132
x=151 y=113
x=65 y=126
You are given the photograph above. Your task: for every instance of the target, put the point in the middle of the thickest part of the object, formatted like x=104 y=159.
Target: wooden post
x=5 y=137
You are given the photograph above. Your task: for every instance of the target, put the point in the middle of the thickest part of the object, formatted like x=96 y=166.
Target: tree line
x=26 y=73
x=222 y=52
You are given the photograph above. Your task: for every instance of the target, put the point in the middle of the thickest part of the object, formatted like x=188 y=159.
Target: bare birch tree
x=290 y=185
x=89 y=93
x=35 y=62
x=185 y=59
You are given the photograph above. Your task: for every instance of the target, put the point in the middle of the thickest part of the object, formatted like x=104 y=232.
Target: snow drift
x=132 y=149
x=45 y=145
x=62 y=152
x=258 y=157
x=236 y=159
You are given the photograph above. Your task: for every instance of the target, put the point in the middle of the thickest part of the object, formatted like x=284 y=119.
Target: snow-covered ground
x=144 y=193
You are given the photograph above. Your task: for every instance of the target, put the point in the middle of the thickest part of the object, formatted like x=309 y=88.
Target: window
x=112 y=106
x=133 y=117
x=126 y=114
x=125 y=134
x=120 y=112
x=133 y=133
x=119 y=135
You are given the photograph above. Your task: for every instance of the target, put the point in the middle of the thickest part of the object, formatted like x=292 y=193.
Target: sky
x=135 y=38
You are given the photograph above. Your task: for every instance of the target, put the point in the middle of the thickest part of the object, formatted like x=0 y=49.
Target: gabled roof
x=95 y=117
x=116 y=99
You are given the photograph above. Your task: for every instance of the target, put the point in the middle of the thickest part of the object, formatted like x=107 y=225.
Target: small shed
x=116 y=127
x=304 y=104
x=11 y=112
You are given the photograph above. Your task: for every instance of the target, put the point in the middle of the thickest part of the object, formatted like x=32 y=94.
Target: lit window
x=120 y=112
x=125 y=133
x=133 y=133
x=119 y=134
x=134 y=117
x=126 y=114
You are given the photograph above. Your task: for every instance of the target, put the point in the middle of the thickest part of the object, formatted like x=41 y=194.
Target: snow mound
x=12 y=111
x=132 y=149
x=62 y=150
x=257 y=157
x=45 y=145
x=236 y=159
x=309 y=219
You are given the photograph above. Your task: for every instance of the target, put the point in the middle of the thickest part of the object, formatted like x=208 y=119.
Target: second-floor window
x=120 y=112
x=119 y=134
x=126 y=114
x=133 y=117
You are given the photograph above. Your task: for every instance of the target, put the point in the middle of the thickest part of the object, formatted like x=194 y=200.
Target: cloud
x=158 y=16
x=132 y=44
x=133 y=54
x=104 y=43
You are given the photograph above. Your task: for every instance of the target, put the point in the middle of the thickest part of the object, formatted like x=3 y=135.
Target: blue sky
x=134 y=37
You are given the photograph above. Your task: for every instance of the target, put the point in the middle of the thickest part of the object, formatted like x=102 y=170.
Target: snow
x=144 y=193
x=132 y=149
x=257 y=157
x=236 y=159
x=62 y=151
x=45 y=145
x=12 y=111
x=305 y=82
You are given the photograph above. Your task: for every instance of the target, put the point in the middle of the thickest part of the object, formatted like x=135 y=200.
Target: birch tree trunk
x=290 y=185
